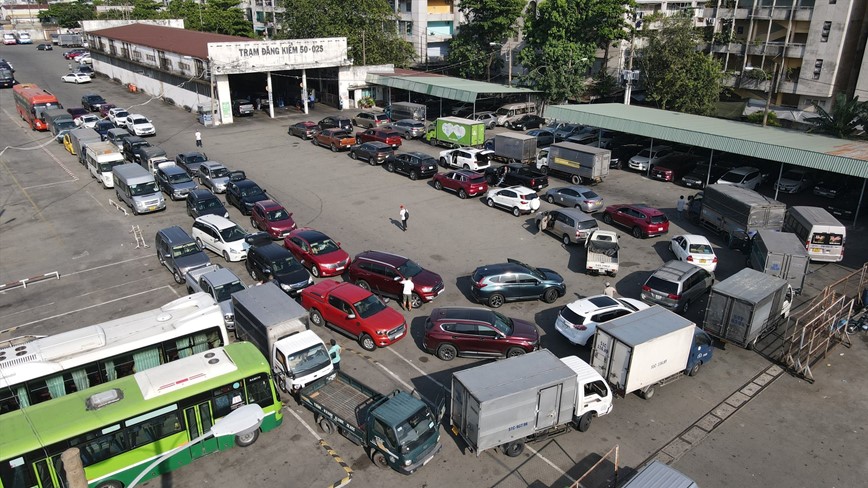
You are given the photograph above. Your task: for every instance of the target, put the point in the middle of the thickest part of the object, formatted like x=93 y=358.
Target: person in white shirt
x=404 y=216
x=407 y=293
x=609 y=291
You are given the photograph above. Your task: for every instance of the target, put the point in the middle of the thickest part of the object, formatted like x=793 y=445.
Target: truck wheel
x=575 y=179
x=637 y=232
x=462 y=194
x=367 y=342
x=379 y=460
x=584 y=422
x=513 y=449
x=245 y=440
x=438 y=186
x=447 y=352
x=495 y=301
x=550 y=295
x=647 y=392
x=695 y=369
x=611 y=273
x=326 y=426
x=316 y=317
x=515 y=351
x=179 y=278
x=607 y=218
x=566 y=240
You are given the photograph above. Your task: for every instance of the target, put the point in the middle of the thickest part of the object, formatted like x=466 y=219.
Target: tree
x=370 y=27
x=191 y=11
x=847 y=118
x=757 y=118
x=68 y=15
x=488 y=21
x=610 y=25
x=224 y=17
x=146 y=9
x=677 y=76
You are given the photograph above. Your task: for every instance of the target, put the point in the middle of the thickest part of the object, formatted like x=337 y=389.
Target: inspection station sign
x=259 y=56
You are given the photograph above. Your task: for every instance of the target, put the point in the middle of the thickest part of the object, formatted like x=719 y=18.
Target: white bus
x=50 y=367
x=821 y=232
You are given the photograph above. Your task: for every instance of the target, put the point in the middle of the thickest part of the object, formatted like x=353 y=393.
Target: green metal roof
x=772 y=143
x=443 y=86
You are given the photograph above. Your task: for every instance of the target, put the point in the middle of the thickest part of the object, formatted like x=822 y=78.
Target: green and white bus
x=120 y=427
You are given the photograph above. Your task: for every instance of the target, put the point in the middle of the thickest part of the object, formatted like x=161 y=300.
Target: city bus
x=31 y=101
x=821 y=232
x=47 y=368
x=120 y=427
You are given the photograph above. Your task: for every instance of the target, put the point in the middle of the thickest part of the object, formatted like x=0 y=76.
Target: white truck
x=220 y=284
x=602 y=253
x=278 y=326
x=100 y=158
x=525 y=398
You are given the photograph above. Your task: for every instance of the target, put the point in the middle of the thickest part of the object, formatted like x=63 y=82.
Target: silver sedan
x=575 y=196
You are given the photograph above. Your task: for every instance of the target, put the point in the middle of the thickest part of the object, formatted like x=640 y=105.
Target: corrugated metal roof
x=659 y=475
x=773 y=143
x=170 y=39
x=442 y=86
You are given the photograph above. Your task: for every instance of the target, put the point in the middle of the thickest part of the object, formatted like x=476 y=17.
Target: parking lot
x=55 y=218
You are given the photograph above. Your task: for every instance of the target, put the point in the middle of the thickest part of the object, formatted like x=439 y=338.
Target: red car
x=104 y=109
x=384 y=135
x=354 y=311
x=77 y=112
x=271 y=217
x=464 y=182
x=317 y=252
x=642 y=220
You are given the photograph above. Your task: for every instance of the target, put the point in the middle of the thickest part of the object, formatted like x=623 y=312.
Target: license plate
x=703 y=261
x=152 y=208
x=339 y=268
x=660 y=229
x=816 y=250
x=427 y=460
x=441 y=291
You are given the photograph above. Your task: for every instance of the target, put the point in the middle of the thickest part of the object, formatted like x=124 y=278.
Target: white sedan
x=577 y=322
x=76 y=78
x=518 y=199
x=694 y=249
x=87 y=120
x=139 y=125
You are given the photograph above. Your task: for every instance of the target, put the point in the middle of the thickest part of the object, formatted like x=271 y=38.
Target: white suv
x=118 y=116
x=649 y=157
x=518 y=199
x=578 y=320
x=139 y=125
x=743 y=176
x=472 y=159
x=221 y=236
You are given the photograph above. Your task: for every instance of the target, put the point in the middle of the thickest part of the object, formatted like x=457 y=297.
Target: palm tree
x=846 y=119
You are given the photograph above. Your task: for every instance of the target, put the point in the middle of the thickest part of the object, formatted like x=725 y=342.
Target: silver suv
x=675 y=284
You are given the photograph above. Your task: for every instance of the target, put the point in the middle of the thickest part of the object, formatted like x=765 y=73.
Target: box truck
x=406 y=110
x=277 y=325
x=736 y=212
x=512 y=148
x=455 y=132
x=747 y=306
x=79 y=139
x=780 y=254
x=576 y=163
x=651 y=347
x=525 y=398
x=100 y=158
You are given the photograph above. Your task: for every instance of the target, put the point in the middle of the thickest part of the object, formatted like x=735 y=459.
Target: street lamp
x=242 y=420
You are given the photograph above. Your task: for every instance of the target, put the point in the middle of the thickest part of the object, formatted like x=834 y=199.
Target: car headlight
x=408 y=462
x=234 y=251
x=382 y=332
x=285 y=287
x=426 y=289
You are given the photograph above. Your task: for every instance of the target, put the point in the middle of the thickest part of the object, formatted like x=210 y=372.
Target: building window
x=827 y=27
x=150 y=57
x=405 y=28
x=200 y=68
x=137 y=55
x=739 y=30
x=184 y=66
x=818 y=68
x=833 y=2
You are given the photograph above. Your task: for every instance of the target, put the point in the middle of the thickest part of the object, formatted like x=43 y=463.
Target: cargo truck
x=512 y=148
x=69 y=40
x=100 y=158
x=736 y=212
x=576 y=163
x=406 y=110
x=780 y=254
x=79 y=139
x=535 y=396
x=602 y=253
x=648 y=348
x=397 y=430
x=455 y=132
x=53 y=117
x=747 y=306
x=278 y=326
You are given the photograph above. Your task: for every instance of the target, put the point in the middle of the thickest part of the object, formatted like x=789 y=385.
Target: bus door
x=199 y=422
x=49 y=473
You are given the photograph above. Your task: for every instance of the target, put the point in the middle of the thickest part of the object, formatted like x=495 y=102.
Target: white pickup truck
x=602 y=247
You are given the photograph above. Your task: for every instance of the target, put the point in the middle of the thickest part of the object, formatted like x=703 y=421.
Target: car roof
x=694 y=239
x=379 y=144
x=640 y=206
x=309 y=234
x=221 y=276
x=519 y=189
x=200 y=193
x=217 y=221
x=171 y=168
x=468 y=173
x=348 y=291
x=674 y=270
x=268 y=205
x=501 y=268
x=742 y=170
x=385 y=257
x=594 y=303
x=245 y=183
x=189 y=154
x=464 y=313
x=573 y=213
x=213 y=164
x=271 y=251
x=419 y=154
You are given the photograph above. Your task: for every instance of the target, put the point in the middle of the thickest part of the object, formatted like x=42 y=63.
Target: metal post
x=859 y=205
x=780 y=173
x=650 y=153
x=213 y=100
x=269 y=89
x=304 y=89
x=769 y=97
x=710 y=164
x=509 y=75
x=628 y=90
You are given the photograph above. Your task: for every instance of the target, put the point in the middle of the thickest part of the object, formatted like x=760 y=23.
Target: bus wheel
x=379 y=459
x=244 y=440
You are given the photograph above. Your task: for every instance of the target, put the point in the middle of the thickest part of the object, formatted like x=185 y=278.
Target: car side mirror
x=351 y=316
x=167 y=255
x=397 y=278
x=267 y=270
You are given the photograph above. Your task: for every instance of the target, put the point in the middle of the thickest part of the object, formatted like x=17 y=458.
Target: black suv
x=92 y=102
x=191 y=161
x=413 y=164
x=382 y=273
x=513 y=280
x=243 y=194
x=130 y=145
x=336 y=123
x=202 y=202
x=266 y=260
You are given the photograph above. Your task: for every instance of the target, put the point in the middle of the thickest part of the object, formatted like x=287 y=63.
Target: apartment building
x=428 y=25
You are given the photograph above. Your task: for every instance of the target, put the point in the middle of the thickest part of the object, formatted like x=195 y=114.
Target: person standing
x=69 y=65
x=198 y=139
x=407 y=293
x=404 y=216
x=680 y=207
x=609 y=291
x=335 y=354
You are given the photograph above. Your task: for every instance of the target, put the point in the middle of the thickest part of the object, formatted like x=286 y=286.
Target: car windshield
x=572 y=317
x=324 y=246
x=644 y=154
x=122 y=113
x=285 y=265
x=224 y=292
x=502 y=323
x=277 y=215
x=308 y=360
x=369 y=306
x=209 y=203
x=231 y=234
x=196 y=158
x=791 y=175
x=180 y=178
x=141 y=120
x=143 y=188
x=107 y=167
x=409 y=268
x=732 y=177
x=185 y=250
x=699 y=249
x=415 y=429
x=64 y=124
x=220 y=173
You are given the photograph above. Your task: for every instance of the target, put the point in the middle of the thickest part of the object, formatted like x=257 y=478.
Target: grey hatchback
x=495 y=284
x=676 y=284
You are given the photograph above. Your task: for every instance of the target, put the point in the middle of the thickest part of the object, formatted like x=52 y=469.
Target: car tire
x=447 y=352
x=462 y=194
x=252 y=273
x=495 y=300
x=551 y=199
x=363 y=285
x=334 y=148
x=314 y=270
x=353 y=155
x=489 y=202
x=226 y=256
x=414 y=175
x=515 y=351
x=637 y=232
x=550 y=295
x=607 y=218
x=367 y=343
x=316 y=318
x=438 y=186
x=566 y=240
x=442 y=162
x=466 y=166
x=685 y=307
x=516 y=211
x=415 y=300
x=179 y=278
x=390 y=167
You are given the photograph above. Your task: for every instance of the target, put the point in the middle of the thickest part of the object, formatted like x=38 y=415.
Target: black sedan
x=515 y=174
x=526 y=122
x=44 y=47
x=191 y=161
x=336 y=123
x=413 y=164
x=93 y=102
x=373 y=152
x=305 y=130
x=243 y=194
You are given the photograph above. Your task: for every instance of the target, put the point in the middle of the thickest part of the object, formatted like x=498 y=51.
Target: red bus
x=31 y=102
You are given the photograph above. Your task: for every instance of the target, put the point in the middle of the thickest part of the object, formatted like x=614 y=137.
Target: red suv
x=271 y=217
x=642 y=220
x=465 y=183
x=384 y=135
x=477 y=332
x=317 y=252
x=382 y=273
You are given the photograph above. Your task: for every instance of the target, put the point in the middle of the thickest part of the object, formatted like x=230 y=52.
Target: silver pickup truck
x=218 y=282
x=602 y=247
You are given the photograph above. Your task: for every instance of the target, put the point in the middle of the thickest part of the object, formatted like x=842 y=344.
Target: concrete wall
x=152 y=87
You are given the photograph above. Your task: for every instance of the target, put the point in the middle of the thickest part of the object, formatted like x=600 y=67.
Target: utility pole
x=769 y=97
x=628 y=74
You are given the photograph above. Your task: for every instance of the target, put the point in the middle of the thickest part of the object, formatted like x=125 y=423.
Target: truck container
x=397 y=430
x=512 y=148
x=278 y=326
x=736 y=212
x=69 y=40
x=748 y=305
x=780 y=254
x=406 y=110
x=651 y=347
x=80 y=138
x=100 y=158
x=657 y=474
x=54 y=115
x=575 y=162
x=525 y=398
x=456 y=132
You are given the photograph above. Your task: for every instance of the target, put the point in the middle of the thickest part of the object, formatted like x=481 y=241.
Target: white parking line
x=302 y=422
x=104 y=266
x=423 y=373
x=550 y=463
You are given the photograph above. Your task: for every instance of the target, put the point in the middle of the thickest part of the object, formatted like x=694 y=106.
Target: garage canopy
x=444 y=86
x=772 y=143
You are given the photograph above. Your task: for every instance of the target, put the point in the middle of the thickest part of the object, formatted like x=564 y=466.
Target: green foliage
x=224 y=17
x=757 y=118
x=846 y=120
x=488 y=21
x=68 y=15
x=677 y=76
x=370 y=27
x=146 y=9
x=604 y=84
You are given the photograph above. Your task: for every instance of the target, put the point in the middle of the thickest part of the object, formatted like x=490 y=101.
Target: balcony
x=795 y=51
x=766 y=49
x=731 y=48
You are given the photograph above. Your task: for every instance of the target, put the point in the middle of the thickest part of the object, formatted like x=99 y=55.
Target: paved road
x=54 y=217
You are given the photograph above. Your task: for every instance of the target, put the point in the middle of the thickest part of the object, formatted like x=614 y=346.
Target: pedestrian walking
x=198 y=139
x=609 y=291
x=69 y=65
x=407 y=293
x=335 y=354
x=405 y=214
x=680 y=206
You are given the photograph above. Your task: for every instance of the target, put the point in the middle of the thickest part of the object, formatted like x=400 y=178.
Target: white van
x=821 y=232
x=136 y=187
x=101 y=158
x=512 y=111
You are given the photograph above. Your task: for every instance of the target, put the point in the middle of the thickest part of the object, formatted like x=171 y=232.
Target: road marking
x=346 y=467
x=104 y=266
x=50 y=184
x=97 y=201
x=302 y=422
x=550 y=463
